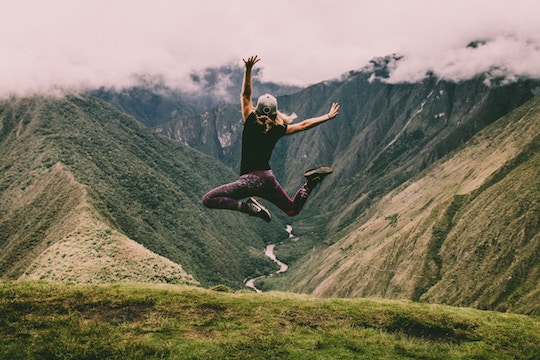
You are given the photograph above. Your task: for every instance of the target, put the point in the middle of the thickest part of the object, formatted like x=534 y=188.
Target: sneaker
x=315 y=176
x=256 y=209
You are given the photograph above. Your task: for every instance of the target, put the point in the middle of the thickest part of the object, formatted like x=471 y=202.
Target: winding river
x=269 y=252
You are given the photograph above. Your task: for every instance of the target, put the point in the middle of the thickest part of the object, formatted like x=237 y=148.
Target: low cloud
x=505 y=58
x=54 y=45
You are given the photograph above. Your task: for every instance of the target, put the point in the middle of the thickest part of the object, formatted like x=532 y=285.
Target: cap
x=266 y=105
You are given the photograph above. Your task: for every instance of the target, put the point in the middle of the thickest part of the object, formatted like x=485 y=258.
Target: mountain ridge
x=90 y=250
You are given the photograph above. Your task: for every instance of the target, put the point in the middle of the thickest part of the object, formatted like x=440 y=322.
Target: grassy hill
x=82 y=186
x=465 y=231
x=133 y=321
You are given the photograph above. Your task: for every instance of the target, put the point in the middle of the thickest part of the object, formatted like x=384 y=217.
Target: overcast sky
x=73 y=43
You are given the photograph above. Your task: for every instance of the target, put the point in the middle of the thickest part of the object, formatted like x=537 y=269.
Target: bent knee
x=206 y=200
x=291 y=213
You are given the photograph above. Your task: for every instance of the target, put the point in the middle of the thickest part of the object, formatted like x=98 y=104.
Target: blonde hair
x=282 y=119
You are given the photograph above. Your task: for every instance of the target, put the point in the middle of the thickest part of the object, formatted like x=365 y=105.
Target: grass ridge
x=136 y=321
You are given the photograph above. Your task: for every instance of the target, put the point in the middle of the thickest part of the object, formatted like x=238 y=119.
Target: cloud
x=504 y=58
x=47 y=45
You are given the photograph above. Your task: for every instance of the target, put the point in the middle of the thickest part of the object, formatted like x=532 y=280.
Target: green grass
x=42 y=320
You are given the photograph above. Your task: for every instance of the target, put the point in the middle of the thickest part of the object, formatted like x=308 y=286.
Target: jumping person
x=264 y=125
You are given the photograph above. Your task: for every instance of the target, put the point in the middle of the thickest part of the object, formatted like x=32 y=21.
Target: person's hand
x=251 y=61
x=334 y=111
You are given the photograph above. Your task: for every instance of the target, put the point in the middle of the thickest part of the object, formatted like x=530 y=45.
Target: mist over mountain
x=153 y=103
x=89 y=45
x=501 y=58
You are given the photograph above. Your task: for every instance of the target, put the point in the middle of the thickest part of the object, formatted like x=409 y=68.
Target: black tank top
x=258 y=144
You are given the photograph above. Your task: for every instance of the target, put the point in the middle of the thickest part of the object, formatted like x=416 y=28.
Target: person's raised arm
x=247 y=105
x=310 y=123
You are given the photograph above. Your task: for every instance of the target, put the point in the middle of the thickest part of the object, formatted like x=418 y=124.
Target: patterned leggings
x=258 y=183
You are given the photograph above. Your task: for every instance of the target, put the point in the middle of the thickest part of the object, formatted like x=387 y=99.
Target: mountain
x=153 y=102
x=216 y=132
x=464 y=231
x=434 y=195
x=89 y=194
x=385 y=136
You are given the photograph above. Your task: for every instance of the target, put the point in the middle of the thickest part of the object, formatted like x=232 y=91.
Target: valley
x=268 y=252
x=413 y=210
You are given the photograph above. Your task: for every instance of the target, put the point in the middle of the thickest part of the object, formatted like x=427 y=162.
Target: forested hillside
x=81 y=184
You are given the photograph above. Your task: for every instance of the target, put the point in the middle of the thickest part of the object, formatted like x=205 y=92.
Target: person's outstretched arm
x=310 y=123
x=247 y=105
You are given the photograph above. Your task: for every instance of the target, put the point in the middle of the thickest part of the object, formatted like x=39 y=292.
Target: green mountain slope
x=50 y=231
x=216 y=132
x=465 y=231
x=385 y=134
x=81 y=181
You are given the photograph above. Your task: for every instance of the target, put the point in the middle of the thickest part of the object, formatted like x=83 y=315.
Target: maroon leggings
x=258 y=183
